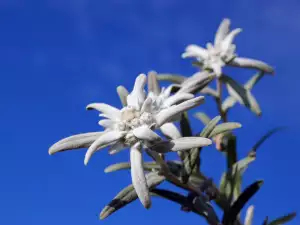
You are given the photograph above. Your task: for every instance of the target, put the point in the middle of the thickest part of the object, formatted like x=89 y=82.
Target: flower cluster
x=133 y=127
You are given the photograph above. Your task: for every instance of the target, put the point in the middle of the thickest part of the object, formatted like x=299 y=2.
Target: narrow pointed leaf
x=174 y=78
x=283 y=219
x=185 y=127
x=222 y=31
x=249 y=215
x=251 y=64
x=126 y=165
x=203 y=117
x=210 y=127
x=238 y=205
x=153 y=85
x=224 y=127
x=128 y=195
x=265 y=137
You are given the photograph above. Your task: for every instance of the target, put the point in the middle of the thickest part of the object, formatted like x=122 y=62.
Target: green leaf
x=174 y=78
x=283 y=219
x=185 y=127
x=240 y=94
x=265 y=137
x=224 y=127
x=230 y=183
x=210 y=126
x=126 y=165
x=128 y=195
x=203 y=117
x=238 y=205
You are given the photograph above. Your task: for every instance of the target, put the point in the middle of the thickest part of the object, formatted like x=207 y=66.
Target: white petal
x=217 y=68
x=116 y=148
x=222 y=31
x=74 y=142
x=106 y=139
x=147 y=105
x=166 y=115
x=249 y=215
x=137 y=96
x=229 y=39
x=170 y=130
x=252 y=64
x=180 y=144
x=177 y=98
x=196 y=82
x=146 y=134
x=109 y=111
x=153 y=85
x=195 y=51
x=123 y=93
x=138 y=176
x=106 y=123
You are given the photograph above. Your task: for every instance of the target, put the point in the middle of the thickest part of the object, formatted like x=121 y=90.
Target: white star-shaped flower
x=133 y=127
x=222 y=52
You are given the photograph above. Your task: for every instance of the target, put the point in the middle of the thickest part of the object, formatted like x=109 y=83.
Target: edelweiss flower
x=222 y=52
x=132 y=127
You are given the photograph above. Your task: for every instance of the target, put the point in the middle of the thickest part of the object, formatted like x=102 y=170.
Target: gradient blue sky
x=56 y=56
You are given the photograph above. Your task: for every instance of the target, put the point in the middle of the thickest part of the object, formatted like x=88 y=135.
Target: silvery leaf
x=203 y=117
x=253 y=80
x=75 y=142
x=116 y=148
x=209 y=91
x=211 y=125
x=147 y=105
x=167 y=115
x=123 y=93
x=153 y=85
x=174 y=78
x=149 y=166
x=197 y=82
x=106 y=123
x=252 y=64
x=104 y=140
x=138 y=176
x=224 y=127
x=109 y=111
x=128 y=195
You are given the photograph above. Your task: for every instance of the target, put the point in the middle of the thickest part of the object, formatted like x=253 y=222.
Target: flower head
x=133 y=127
x=222 y=52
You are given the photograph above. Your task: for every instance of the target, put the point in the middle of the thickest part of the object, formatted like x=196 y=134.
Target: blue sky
x=56 y=56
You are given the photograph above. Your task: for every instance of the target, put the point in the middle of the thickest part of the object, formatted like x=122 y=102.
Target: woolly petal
x=177 y=98
x=226 y=43
x=222 y=31
x=153 y=85
x=217 y=68
x=147 y=105
x=146 y=134
x=116 y=148
x=252 y=64
x=106 y=123
x=196 y=82
x=195 y=51
x=170 y=130
x=167 y=115
x=137 y=96
x=138 y=176
x=108 y=110
x=123 y=93
x=180 y=144
x=74 y=142
x=104 y=140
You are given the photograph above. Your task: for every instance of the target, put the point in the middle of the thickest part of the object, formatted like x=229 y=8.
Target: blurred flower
x=133 y=126
x=222 y=52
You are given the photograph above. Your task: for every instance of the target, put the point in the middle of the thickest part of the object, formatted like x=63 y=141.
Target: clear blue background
x=56 y=56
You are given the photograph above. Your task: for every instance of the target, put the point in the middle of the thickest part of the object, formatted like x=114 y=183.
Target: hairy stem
x=222 y=113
